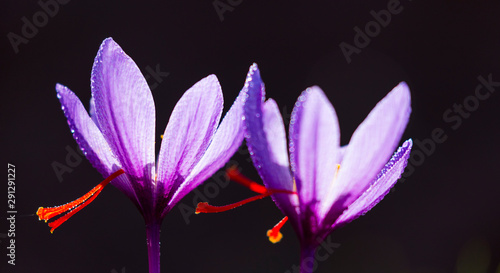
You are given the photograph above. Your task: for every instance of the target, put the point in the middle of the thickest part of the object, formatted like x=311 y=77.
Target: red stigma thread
x=274 y=234
x=75 y=206
x=234 y=175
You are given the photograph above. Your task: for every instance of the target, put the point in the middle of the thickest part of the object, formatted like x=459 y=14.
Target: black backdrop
x=442 y=218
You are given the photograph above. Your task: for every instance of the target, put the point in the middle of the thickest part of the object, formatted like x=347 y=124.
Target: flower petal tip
x=62 y=91
x=254 y=67
x=408 y=143
x=253 y=75
x=403 y=91
x=59 y=87
x=107 y=43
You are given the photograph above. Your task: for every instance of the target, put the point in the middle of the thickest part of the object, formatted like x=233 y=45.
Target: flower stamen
x=336 y=172
x=274 y=234
x=73 y=207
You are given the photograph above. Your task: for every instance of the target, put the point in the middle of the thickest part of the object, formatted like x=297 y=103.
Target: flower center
x=73 y=207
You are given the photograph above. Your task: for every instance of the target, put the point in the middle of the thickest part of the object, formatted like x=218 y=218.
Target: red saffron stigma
x=274 y=234
x=204 y=207
x=75 y=206
x=237 y=177
x=233 y=174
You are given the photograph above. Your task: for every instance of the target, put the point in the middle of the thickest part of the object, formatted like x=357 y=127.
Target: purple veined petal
x=266 y=141
x=92 y=111
x=314 y=150
x=369 y=149
x=91 y=140
x=380 y=187
x=278 y=156
x=189 y=131
x=226 y=141
x=125 y=111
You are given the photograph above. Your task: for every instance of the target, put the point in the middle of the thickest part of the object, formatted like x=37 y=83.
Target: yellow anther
x=336 y=173
x=273 y=236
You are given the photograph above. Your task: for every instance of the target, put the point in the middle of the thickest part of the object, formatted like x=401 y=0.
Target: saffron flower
x=118 y=138
x=334 y=185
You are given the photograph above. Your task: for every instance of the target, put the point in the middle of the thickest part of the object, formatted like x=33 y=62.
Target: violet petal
x=370 y=148
x=226 y=140
x=190 y=129
x=314 y=149
x=266 y=141
x=91 y=140
x=380 y=187
x=125 y=110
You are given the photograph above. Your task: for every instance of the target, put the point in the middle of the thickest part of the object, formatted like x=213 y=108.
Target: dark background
x=443 y=218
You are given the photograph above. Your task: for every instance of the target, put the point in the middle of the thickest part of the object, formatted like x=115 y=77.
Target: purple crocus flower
x=334 y=185
x=118 y=138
